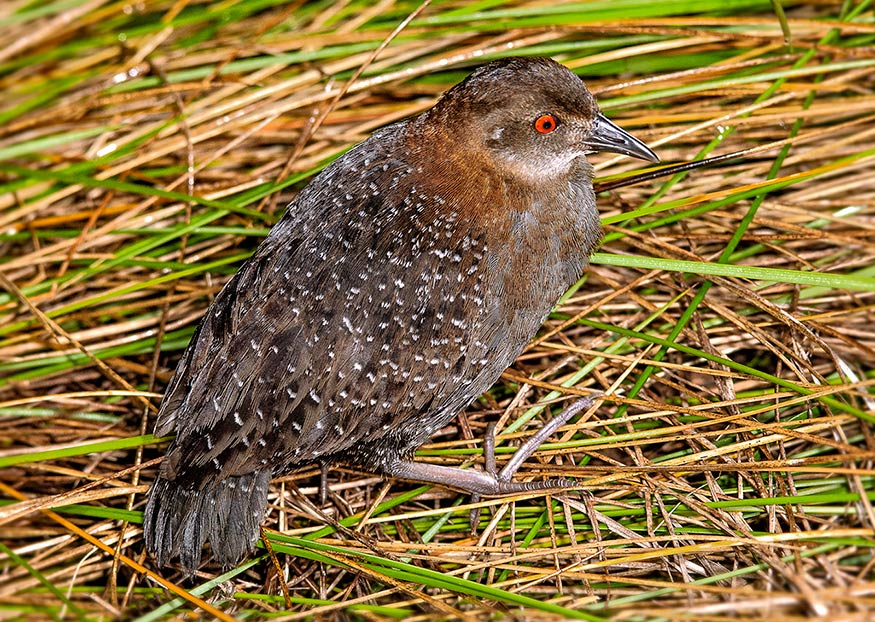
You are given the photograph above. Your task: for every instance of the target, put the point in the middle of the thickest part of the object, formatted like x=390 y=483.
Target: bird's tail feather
x=179 y=520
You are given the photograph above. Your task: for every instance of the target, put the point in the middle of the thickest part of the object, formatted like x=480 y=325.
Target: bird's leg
x=489 y=449
x=536 y=440
x=489 y=467
x=489 y=482
x=323 y=484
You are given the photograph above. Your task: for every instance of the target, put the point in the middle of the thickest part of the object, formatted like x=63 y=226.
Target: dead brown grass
x=735 y=483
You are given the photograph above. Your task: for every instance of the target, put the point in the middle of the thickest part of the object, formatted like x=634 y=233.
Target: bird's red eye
x=546 y=123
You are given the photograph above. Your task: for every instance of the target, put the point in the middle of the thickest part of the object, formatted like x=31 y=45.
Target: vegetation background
x=147 y=146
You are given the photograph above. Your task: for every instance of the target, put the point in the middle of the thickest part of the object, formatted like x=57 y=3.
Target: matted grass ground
x=146 y=148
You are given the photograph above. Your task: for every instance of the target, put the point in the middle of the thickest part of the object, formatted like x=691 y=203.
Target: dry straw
x=146 y=148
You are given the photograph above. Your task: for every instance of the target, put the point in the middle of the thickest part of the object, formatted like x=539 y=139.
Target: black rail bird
x=398 y=286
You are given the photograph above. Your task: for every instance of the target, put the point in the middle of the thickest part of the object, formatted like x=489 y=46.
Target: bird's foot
x=491 y=482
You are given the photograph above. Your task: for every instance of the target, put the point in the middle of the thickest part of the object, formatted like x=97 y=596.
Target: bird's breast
x=546 y=251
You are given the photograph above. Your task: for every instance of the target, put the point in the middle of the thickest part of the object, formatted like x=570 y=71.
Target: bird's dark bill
x=608 y=136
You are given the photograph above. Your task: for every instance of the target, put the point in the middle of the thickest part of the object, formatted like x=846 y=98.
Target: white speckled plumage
x=397 y=287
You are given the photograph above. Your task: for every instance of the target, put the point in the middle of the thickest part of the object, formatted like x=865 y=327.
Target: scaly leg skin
x=323 y=484
x=489 y=482
x=489 y=467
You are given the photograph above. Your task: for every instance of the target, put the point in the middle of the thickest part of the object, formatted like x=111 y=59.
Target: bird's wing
x=348 y=320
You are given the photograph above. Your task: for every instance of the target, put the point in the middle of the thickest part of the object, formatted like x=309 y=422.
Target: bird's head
x=531 y=118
